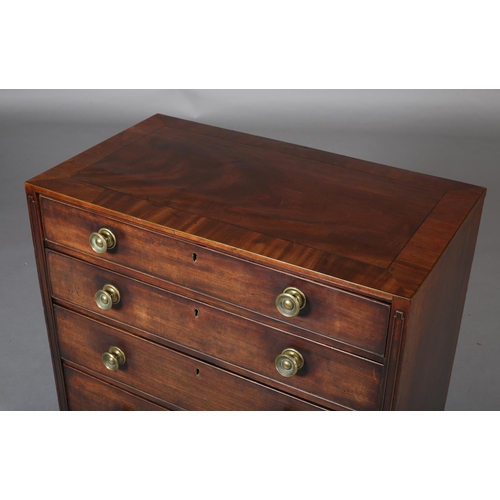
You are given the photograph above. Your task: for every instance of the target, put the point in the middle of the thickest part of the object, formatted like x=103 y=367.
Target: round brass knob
x=106 y=297
x=113 y=358
x=290 y=302
x=102 y=241
x=289 y=362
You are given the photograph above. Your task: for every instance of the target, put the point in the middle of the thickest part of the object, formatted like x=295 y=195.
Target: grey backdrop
x=453 y=134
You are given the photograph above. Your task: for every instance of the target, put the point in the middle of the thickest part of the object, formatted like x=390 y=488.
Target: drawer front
x=85 y=393
x=327 y=373
x=165 y=374
x=346 y=317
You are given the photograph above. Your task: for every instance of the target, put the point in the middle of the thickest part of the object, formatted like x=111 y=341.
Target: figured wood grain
x=343 y=218
x=194 y=296
x=212 y=224
x=173 y=377
x=246 y=187
x=326 y=157
x=412 y=265
x=328 y=373
x=329 y=312
x=434 y=322
x=86 y=393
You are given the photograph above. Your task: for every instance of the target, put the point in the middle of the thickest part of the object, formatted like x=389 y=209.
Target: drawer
x=346 y=317
x=328 y=373
x=88 y=393
x=164 y=374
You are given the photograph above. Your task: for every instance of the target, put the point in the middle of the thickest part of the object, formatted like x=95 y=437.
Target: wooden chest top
x=339 y=220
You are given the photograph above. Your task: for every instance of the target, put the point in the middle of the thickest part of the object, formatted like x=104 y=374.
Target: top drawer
x=346 y=317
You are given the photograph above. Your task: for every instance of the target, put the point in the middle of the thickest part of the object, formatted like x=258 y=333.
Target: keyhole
x=196 y=313
x=197 y=372
x=194 y=257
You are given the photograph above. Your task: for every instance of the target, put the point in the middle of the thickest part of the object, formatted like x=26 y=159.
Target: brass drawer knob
x=113 y=358
x=290 y=302
x=289 y=362
x=102 y=241
x=106 y=297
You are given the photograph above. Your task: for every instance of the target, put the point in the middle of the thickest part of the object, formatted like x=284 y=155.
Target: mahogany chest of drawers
x=187 y=267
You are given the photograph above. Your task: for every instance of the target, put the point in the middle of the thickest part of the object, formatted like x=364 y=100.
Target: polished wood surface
x=175 y=378
x=434 y=324
x=331 y=312
x=268 y=194
x=330 y=374
x=43 y=280
x=212 y=225
x=348 y=220
x=87 y=393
